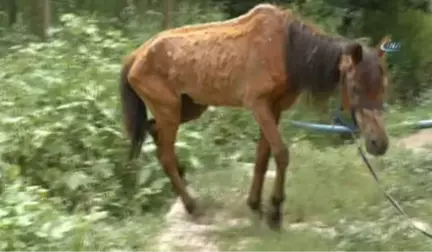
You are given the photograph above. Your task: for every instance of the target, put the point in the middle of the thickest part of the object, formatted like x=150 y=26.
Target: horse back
x=215 y=64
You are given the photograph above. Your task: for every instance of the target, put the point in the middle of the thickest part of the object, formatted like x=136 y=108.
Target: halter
x=360 y=104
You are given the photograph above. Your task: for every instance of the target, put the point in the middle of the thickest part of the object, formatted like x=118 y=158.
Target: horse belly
x=217 y=93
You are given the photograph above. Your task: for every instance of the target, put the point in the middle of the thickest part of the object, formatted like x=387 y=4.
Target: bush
x=29 y=220
x=61 y=122
x=60 y=119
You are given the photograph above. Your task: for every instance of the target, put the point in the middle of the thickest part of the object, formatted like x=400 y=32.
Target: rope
x=416 y=225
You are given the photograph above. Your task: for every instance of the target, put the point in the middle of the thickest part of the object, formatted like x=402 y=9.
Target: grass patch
x=133 y=233
x=331 y=187
x=243 y=239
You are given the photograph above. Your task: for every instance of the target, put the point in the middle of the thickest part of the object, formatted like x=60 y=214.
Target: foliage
x=30 y=220
x=62 y=141
x=61 y=124
x=410 y=27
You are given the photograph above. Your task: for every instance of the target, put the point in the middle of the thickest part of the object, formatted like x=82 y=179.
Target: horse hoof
x=193 y=209
x=274 y=220
x=256 y=208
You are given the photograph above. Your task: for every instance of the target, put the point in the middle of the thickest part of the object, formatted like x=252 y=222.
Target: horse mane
x=312 y=59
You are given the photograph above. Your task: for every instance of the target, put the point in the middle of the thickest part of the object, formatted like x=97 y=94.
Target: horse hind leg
x=167 y=122
x=189 y=112
x=165 y=106
x=153 y=133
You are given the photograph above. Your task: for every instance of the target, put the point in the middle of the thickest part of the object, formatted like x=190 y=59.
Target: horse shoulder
x=166 y=50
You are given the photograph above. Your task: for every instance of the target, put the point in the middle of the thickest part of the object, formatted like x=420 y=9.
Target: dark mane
x=312 y=60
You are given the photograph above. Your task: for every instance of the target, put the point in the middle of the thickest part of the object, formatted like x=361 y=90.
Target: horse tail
x=134 y=112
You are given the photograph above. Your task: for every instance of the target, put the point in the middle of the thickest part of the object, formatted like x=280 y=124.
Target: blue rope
x=338 y=120
x=340 y=125
x=423 y=124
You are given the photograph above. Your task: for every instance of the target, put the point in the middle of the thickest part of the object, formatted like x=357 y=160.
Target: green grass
x=134 y=233
x=332 y=187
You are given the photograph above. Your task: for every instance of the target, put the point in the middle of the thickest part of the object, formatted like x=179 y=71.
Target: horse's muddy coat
x=262 y=61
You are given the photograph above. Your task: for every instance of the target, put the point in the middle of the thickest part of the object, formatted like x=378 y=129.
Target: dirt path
x=184 y=234
x=417 y=140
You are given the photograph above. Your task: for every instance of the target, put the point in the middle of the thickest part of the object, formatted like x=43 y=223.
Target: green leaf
x=96 y=216
x=77 y=179
x=144 y=175
x=59 y=230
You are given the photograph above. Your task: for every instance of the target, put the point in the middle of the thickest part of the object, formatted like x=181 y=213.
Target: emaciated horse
x=262 y=61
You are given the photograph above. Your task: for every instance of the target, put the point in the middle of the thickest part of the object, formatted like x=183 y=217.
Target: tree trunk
x=347 y=20
x=121 y=6
x=12 y=12
x=167 y=14
x=40 y=18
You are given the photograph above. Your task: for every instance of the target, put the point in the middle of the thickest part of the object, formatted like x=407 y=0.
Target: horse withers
x=261 y=61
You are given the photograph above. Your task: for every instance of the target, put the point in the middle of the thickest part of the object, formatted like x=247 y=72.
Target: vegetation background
x=64 y=180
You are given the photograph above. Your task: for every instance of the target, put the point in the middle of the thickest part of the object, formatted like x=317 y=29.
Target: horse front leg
x=260 y=169
x=267 y=121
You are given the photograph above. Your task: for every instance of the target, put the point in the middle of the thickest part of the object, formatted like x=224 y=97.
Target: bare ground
x=186 y=233
x=417 y=141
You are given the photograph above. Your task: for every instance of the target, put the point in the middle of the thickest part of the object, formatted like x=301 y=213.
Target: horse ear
x=384 y=40
x=355 y=50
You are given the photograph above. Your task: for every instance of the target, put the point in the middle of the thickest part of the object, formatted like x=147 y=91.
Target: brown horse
x=262 y=61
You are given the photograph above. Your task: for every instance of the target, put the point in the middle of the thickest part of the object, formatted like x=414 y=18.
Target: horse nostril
x=374 y=143
x=376 y=147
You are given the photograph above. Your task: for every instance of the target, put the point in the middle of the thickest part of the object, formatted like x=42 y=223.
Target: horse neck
x=312 y=58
